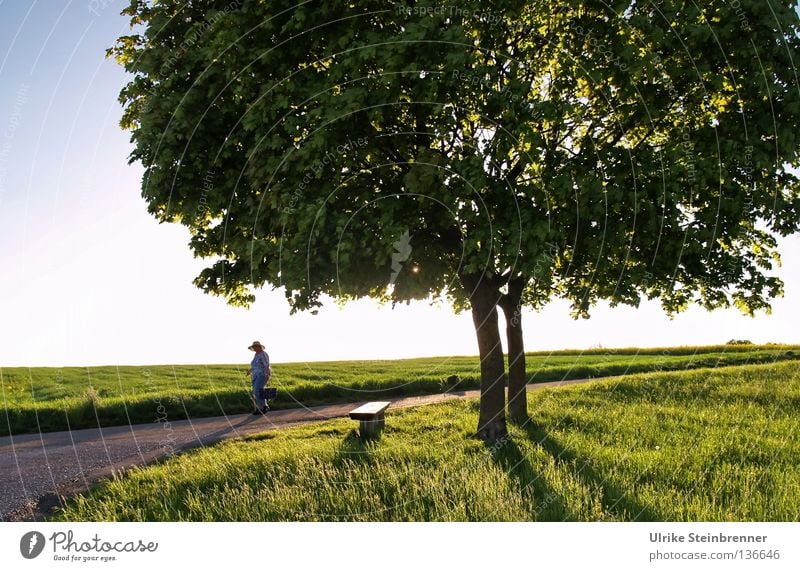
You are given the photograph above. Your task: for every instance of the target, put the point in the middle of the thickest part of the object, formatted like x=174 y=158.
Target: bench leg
x=372 y=427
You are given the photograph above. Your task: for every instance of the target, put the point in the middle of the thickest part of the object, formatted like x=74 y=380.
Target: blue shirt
x=260 y=364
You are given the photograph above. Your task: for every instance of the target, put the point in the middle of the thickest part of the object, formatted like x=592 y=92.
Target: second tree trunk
x=517 y=377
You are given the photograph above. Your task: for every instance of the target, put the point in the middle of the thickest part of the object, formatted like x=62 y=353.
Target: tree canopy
x=526 y=150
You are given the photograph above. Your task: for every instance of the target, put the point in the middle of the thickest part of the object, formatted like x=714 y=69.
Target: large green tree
x=494 y=153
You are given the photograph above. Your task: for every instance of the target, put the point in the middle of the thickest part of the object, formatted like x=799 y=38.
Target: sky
x=87 y=277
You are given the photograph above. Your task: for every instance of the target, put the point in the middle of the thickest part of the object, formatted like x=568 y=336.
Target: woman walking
x=259 y=372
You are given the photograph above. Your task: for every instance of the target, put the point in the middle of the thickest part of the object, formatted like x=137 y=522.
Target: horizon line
x=595 y=348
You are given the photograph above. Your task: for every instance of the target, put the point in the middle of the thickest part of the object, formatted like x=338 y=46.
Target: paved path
x=37 y=470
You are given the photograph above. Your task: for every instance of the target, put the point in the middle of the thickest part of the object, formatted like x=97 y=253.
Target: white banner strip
x=459 y=546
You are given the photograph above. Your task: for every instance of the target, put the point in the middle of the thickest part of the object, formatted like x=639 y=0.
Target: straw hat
x=255 y=344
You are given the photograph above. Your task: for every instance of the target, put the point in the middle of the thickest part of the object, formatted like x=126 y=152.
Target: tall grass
x=47 y=399
x=693 y=445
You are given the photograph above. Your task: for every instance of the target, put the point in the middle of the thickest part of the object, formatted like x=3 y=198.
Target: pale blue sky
x=88 y=277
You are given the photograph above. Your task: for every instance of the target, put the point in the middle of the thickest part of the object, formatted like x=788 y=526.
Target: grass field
x=693 y=445
x=47 y=399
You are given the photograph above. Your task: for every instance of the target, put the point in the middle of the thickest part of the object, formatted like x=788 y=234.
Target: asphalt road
x=37 y=471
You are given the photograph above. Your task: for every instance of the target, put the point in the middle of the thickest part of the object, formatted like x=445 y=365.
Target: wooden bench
x=370 y=416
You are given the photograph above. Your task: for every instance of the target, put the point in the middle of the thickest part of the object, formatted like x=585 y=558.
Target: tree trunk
x=484 y=297
x=511 y=303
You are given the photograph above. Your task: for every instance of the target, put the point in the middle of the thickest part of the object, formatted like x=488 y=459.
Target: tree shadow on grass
x=615 y=500
x=544 y=503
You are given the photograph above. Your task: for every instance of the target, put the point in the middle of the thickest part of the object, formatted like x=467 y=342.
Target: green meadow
x=701 y=445
x=48 y=399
